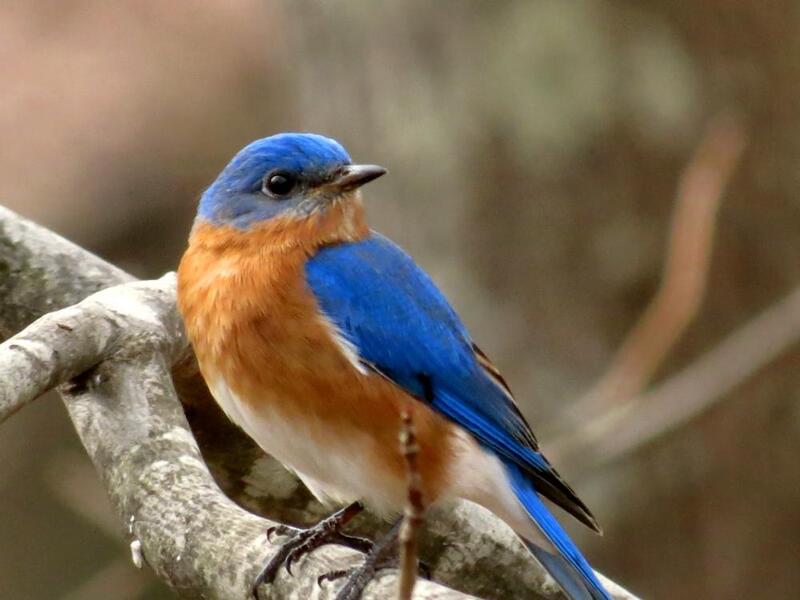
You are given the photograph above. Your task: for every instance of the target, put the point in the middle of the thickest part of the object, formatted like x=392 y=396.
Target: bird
x=317 y=335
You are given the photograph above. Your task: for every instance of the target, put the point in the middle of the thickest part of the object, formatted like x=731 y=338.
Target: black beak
x=351 y=177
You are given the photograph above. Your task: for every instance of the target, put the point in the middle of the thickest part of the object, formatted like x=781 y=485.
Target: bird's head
x=294 y=175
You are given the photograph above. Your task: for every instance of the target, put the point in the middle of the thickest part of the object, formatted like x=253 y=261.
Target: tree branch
x=687 y=394
x=63 y=345
x=683 y=282
x=125 y=411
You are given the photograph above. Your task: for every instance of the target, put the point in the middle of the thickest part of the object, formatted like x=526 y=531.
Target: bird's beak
x=351 y=177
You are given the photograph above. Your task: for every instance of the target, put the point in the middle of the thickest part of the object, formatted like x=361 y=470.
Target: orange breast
x=253 y=321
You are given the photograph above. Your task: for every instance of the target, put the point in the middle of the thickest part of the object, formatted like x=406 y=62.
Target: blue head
x=297 y=173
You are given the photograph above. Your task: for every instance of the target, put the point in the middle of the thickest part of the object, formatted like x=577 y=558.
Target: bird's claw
x=333 y=575
x=304 y=541
x=318 y=538
x=297 y=554
x=391 y=562
x=358 y=577
x=280 y=530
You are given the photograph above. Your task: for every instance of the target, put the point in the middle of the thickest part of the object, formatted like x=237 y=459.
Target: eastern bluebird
x=315 y=334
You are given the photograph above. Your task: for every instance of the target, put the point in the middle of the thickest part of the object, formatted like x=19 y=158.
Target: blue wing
x=404 y=328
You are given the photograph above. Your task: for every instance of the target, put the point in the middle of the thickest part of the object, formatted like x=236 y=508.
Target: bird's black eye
x=279 y=183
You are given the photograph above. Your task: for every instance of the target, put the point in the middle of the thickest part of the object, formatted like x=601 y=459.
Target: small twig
x=683 y=282
x=687 y=394
x=414 y=511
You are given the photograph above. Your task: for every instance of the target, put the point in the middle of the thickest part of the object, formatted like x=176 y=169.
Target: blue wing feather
x=569 y=568
x=401 y=323
x=403 y=326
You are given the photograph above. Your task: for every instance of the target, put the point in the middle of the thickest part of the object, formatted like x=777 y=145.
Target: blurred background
x=535 y=150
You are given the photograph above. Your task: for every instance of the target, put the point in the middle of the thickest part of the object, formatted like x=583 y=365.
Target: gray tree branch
x=116 y=350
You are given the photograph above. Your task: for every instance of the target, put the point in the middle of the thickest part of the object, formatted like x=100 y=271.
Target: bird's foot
x=359 y=577
x=303 y=541
x=381 y=556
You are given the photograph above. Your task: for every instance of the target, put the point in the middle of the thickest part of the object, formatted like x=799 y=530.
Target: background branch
x=614 y=418
x=687 y=394
x=683 y=282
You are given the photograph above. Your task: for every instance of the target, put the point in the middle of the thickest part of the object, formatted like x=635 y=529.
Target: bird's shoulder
x=401 y=323
x=383 y=298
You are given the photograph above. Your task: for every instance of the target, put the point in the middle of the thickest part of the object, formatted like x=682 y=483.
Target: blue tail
x=568 y=567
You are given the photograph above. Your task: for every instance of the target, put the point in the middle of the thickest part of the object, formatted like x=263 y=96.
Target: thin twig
x=687 y=394
x=414 y=510
x=683 y=282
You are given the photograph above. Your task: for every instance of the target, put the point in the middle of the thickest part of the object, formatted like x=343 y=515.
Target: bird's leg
x=304 y=541
x=380 y=557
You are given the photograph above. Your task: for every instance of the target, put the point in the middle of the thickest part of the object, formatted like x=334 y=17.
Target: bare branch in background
x=611 y=411
x=683 y=282
x=620 y=432
x=615 y=419
x=414 y=511
x=128 y=417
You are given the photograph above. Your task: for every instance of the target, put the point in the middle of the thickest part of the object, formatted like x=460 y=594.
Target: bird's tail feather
x=567 y=567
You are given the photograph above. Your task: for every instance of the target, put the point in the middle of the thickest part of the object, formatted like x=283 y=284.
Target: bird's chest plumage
x=281 y=371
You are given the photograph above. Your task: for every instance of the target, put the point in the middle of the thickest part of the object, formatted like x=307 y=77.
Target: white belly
x=336 y=469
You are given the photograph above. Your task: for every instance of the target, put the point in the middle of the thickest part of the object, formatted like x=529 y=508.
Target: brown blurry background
x=535 y=148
